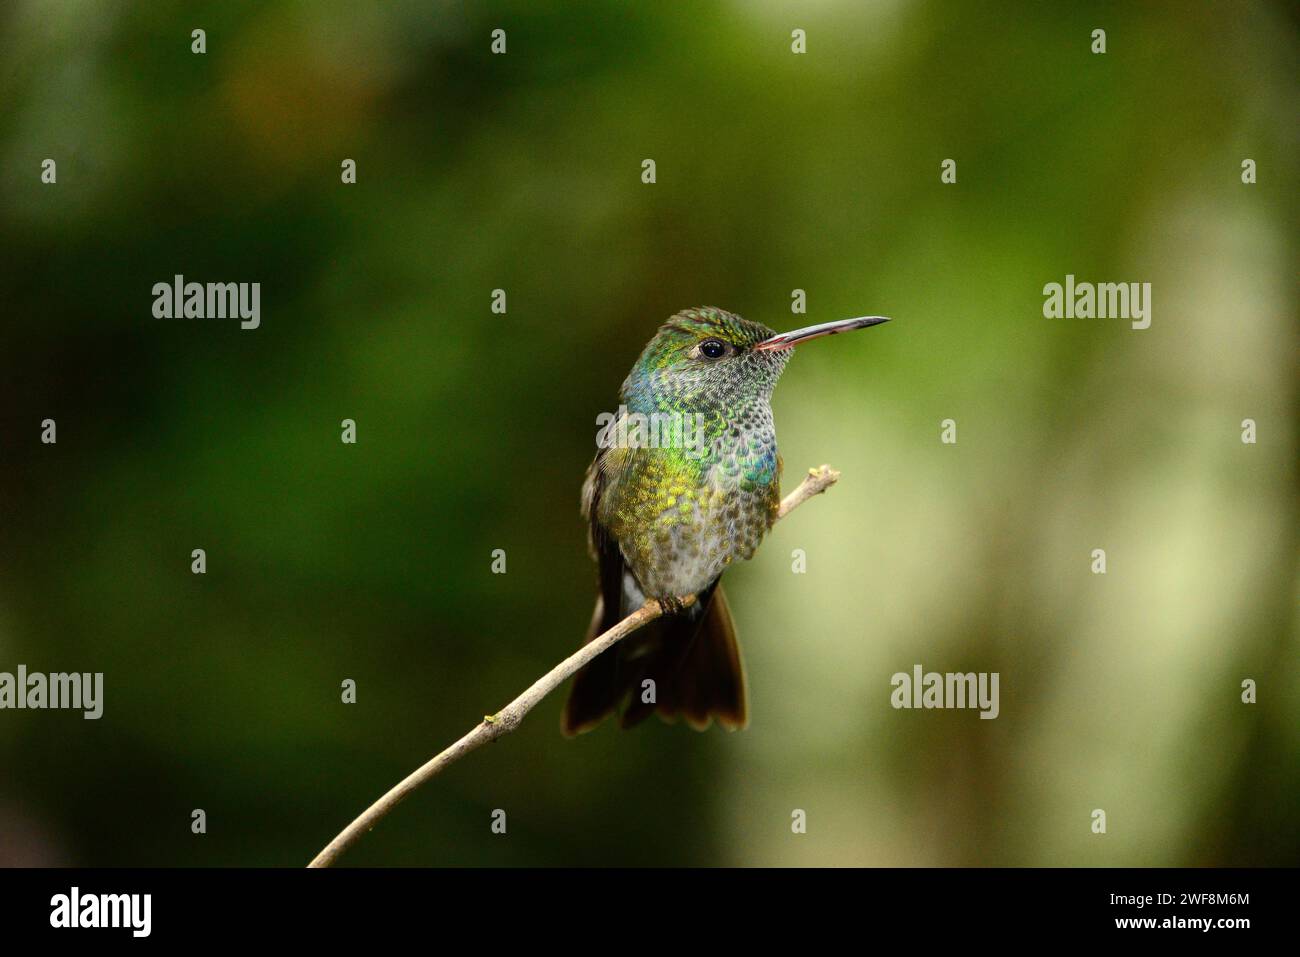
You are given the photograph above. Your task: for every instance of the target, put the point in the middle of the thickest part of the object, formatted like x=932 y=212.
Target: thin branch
x=815 y=482
x=508 y=718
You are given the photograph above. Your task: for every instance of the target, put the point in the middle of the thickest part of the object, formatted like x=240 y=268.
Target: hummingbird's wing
x=597 y=689
x=608 y=465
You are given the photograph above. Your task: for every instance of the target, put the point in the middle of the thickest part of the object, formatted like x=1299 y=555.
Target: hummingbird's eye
x=713 y=349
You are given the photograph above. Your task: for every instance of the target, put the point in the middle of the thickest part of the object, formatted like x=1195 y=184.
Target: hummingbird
x=666 y=518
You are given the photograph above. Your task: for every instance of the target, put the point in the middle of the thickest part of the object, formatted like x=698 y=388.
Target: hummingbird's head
x=706 y=359
x=703 y=359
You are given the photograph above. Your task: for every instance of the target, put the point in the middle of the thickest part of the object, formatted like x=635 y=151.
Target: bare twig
x=508 y=718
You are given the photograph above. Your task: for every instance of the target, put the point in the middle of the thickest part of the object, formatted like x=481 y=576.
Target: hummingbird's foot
x=672 y=605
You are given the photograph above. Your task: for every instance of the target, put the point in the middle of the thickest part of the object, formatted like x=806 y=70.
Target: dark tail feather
x=693 y=660
x=596 y=688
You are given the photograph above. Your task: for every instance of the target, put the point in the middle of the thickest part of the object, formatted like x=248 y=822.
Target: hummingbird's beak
x=785 y=340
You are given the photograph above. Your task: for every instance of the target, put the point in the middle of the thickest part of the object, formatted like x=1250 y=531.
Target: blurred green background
x=776 y=172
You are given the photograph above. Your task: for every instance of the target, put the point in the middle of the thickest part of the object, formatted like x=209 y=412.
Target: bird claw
x=672 y=605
